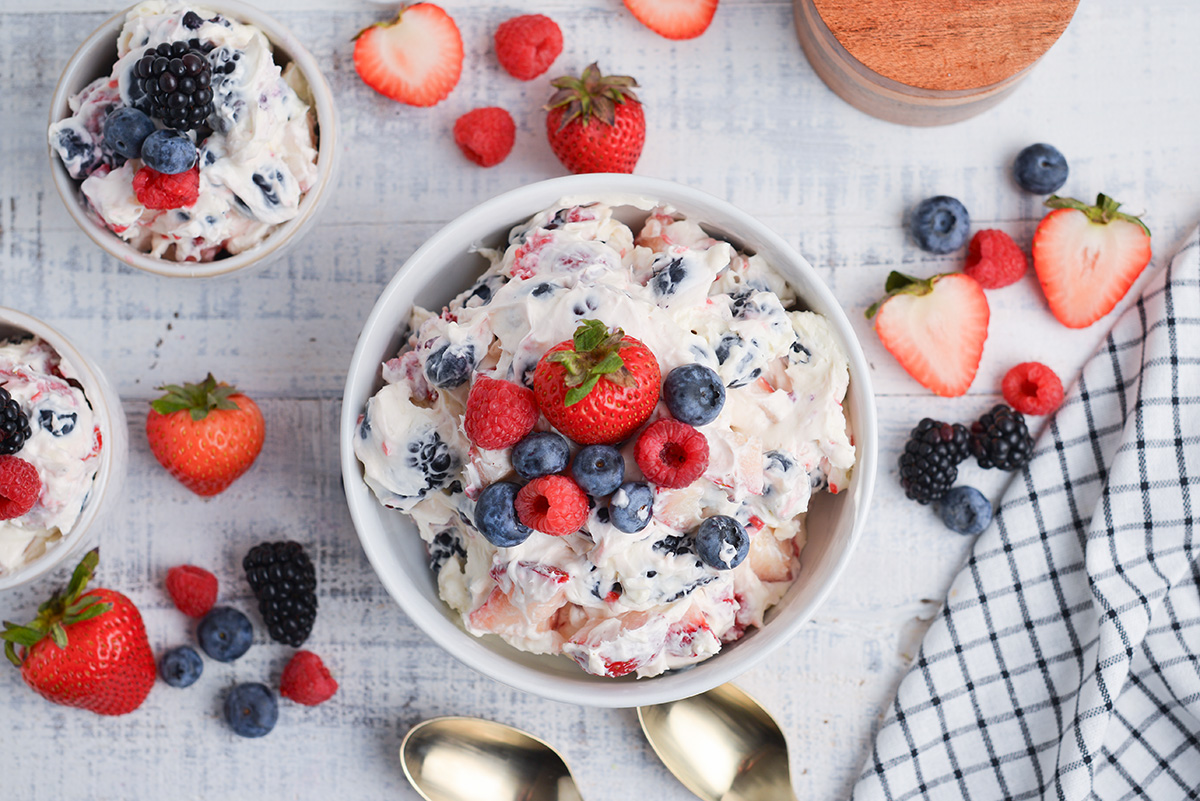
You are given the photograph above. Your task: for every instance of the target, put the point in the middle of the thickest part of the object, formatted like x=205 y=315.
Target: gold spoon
x=472 y=759
x=722 y=745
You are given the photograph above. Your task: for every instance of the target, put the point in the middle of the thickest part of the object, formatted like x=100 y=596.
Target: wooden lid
x=946 y=45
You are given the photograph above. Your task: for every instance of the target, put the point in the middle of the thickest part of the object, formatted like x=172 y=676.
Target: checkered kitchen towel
x=1066 y=661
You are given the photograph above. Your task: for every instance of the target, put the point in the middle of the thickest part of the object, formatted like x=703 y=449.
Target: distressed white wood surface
x=738 y=113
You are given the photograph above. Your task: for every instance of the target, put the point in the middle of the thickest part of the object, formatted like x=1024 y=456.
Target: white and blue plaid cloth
x=1065 y=663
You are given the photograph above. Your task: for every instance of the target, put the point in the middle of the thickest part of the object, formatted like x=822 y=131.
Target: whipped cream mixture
x=618 y=603
x=257 y=155
x=64 y=447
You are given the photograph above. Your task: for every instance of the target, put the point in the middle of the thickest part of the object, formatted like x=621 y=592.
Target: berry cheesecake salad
x=609 y=442
x=49 y=451
x=197 y=145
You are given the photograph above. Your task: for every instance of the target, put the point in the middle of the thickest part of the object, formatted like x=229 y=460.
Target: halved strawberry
x=415 y=59
x=674 y=19
x=935 y=328
x=1087 y=257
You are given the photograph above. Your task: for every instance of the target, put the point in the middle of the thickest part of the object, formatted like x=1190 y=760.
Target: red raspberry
x=193 y=589
x=157 y=190
x=994 y=259
x=526 y=46
x=20 y=486
x=499 y=413
x=1032 y=388
x=671 y=454
x=553 y=505
x=306 y=680
x=485 y=135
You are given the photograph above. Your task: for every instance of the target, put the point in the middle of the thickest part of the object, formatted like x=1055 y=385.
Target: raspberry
x=485 y=135
x=671 y=454
x=1032 y=388
x=156 y=190
x=306 y=680
x=20 y=486
x=553 y=505
x=994 y=260
x=526 y=46
x=193 y=589
x=499 y=413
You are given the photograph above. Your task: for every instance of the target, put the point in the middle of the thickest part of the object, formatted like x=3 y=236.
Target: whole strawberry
x=599 y=386
x=85 y=649
x=205 y=434
x=595 y=122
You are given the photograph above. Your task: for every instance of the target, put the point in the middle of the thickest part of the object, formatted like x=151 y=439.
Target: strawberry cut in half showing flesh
x=1087 y=257
x=674 y=19
x=935 y=328
x=416 y=58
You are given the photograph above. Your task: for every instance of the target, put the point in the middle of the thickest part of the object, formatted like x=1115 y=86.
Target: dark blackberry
x=284 y=581
x=174 y=84
x=14 y=424
x=929 y=463
x=1000 y=439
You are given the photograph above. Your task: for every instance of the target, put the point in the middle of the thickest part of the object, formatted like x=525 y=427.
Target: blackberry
x=174 y=84
x=284 y=582
x=1000 y=439
x=14 y=424
x=929 y=463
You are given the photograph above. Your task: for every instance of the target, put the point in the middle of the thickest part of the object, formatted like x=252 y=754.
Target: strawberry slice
x=415 y=59
x=935 y=328
x=1087 y=257
x=674 y=19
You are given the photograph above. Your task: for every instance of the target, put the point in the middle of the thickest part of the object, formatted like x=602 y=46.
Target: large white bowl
x=443 y=267
x=114 y=452
x=96 y=56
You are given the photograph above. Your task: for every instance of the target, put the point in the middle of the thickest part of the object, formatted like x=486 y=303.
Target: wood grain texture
x=760 y=130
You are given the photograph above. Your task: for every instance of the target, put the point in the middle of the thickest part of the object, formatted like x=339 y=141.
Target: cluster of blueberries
x=132 y=134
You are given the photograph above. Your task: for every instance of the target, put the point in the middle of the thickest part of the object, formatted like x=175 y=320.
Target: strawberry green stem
x=196 y=399
x=596 y=354
x=63 y=609
x=1104 y=212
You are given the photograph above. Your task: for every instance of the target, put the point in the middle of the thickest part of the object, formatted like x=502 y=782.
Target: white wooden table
x=738 y=113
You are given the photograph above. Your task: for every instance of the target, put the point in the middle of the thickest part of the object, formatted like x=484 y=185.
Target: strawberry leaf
x=58 y=634
x=94 y=610
x=611 y=364
x=195 y=399
x=1104 y=212
x=589 y=335
x=576 y=394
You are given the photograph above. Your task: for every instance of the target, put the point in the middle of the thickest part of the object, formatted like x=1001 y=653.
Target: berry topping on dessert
x=496 y=515
x=169 y=152
x=674 y=19
x=125 y=129
x=631 y=506
x=20 y=486
x=929 y=462
x=175 y=84
x=1032 y=388
x=935 y=328
x=415 y=59
x=225 y=634
x=14 y=425
x=994 y=260
x=306 y=680
x=540 y=454
x=553 y=505
x=527 y=45
x=284 y=581
x=599 y=386
x=251 y=710
x=163 y=191
x=1000 y=439
x=694 y=394
x=485 y=135
x=180 y=667
x=192 y=589
x=672 y=454
x=595 y=122
x=1040 y=169
x=940 y=224
x=598 y=469
x=965 y=510
x=722 y=542
x=499 y=413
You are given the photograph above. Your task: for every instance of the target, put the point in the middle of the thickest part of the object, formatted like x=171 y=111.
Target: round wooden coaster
x=927 y=62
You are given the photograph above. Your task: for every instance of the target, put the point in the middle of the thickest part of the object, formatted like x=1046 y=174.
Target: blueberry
x=667 y=277
x=446 y=543
x=124 y=131
x=168 y=151
x=192 y=20
x=180 y=667
x=1040 y=169
x=540 y=454
x=496 y=517
x=432 y=457
x=251 y=710
x=941 y=224
x=631 y=506
x=965 y=510
x=450 y=365
x=598 y=469
x=59 y=424
x=694 y=394
x=721 y=542
x=225 y=634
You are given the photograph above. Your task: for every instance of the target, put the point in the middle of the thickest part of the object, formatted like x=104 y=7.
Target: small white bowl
x=443 y=267
x=95 y=58
x=114 y=452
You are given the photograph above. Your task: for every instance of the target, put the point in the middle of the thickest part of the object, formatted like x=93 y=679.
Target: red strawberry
x=598 y=387
x=674 y=19
x=415 y=59
x=206 y=434
x=935 y=328
x=306 y=680
x=595 y=122
x=485 y=135
x=1087 y=257
x=85 y=649
x=193 y=589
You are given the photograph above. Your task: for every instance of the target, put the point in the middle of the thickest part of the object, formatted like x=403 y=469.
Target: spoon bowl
x=469 y=759
x=722 y=744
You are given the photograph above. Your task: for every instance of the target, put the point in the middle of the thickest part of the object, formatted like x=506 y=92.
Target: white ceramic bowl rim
x=327 y=154
x=362 y=381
